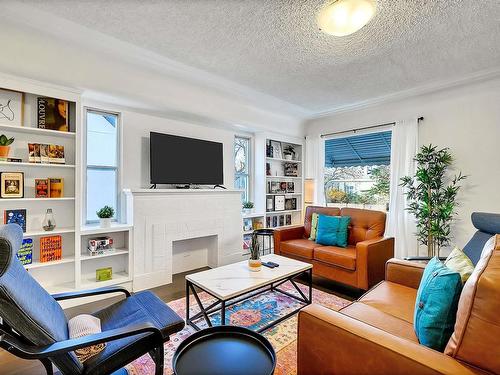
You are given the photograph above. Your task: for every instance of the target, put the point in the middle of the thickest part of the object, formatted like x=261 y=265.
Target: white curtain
x=400 y=223
x=314 y=161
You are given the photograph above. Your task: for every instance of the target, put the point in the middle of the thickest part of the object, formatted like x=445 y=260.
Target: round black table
x=265 y=233
x=224 y=350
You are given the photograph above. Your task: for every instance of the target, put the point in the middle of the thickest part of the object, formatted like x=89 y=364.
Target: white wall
x=466 y=119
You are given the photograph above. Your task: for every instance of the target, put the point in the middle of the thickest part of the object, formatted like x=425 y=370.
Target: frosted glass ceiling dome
x=344 y=17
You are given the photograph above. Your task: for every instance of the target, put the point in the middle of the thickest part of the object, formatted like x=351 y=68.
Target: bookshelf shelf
x=89 y=281
x=35 y=233
x=111 y=254
x=33 y=130
x=284 y=160
x=36 y=165
x=284 y=177
x=273 y=213
x=36 y=199
x=35 y=265
x=96 y=229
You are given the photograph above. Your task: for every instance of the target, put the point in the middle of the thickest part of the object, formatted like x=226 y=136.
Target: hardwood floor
x=10 y=365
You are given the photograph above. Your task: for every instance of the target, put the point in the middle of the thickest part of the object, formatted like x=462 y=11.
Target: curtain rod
x=365 y=128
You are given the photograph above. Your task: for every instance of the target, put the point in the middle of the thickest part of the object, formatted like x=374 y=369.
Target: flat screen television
x=182 y=160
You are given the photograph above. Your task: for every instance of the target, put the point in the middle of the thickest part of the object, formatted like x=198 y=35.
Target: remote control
x=269 y=264
x=273 y=264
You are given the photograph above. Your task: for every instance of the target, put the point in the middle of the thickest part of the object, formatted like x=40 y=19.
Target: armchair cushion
x=139 y=308
x=337 y=256
x=300 y=248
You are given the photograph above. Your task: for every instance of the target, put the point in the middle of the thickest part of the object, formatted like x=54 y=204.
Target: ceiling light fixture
x=344 y=17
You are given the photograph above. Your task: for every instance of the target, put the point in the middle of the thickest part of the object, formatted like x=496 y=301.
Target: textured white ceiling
x=274 y=46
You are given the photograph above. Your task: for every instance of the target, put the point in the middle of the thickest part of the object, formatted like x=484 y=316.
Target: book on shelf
x=56 y=154
x=15 y=217
x=25 y=252
x=46 y=153
x=53 y=114
x=50 y=248
x=56 y=187
x=42 y=188
x=288 y=219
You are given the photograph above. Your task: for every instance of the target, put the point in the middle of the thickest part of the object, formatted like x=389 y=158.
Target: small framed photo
x=282 y=187
x=277 y=152
x=269 y=204
x=290 y=187
x=274 y=187
x=290 y=203
x=11 y=107
x=12 y=185
x=279 y=203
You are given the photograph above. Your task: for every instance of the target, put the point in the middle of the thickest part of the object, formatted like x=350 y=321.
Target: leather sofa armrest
x=371 y=256
x=332 y=343
x=285 y=234
x=404 y=272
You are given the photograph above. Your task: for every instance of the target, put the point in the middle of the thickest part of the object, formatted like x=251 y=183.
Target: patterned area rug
x=253 y=313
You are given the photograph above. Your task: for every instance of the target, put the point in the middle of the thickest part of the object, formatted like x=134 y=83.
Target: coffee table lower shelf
x=221 y=305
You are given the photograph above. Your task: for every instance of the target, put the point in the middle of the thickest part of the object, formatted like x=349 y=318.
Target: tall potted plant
x=431 y=196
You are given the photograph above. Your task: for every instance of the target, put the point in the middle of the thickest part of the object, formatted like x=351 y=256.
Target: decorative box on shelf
x=100 y=246
x=104 y=274
x=50 y=248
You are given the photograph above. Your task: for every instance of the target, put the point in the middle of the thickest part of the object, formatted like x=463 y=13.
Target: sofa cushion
x=459 y=262
x=328 y=227
x=337 y=256
x=330 y=211
x=314 y=226
x=301 y=248
x=365 y=224
x=476 y=338
x=378 y=318
x=393 y=299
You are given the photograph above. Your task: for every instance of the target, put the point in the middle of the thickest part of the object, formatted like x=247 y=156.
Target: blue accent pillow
x=436 y=305
x=326 y=233
x=342 y=230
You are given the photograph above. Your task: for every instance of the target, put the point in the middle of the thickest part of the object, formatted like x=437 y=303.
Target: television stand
x=220 y=186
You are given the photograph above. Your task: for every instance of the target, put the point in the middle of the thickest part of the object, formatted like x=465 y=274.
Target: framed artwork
x=291 y=169
x=279 y=203
x=290 y=187
x=12 y=184
x=274 y=187
x=291 y=204
x=282 y=187
x=277 y=152
x=11 y=107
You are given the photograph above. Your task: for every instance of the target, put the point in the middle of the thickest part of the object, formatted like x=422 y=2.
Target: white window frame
x=249 y=165
x=117 y=168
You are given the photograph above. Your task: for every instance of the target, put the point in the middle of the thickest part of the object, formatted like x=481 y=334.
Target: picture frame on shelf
x=247 y=225
x=279 y=203
x=11 y=107
x=290 y=187
x=277 y=151
x=274 y=187
x=15 y=217
x=12 y=185
x=53 y=114
x=290 y=203
x=291 y=169
x=282 y=187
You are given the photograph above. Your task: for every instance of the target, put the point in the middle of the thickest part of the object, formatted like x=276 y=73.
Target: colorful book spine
x=25 y=253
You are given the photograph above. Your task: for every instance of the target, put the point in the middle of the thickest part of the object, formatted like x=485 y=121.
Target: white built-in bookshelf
x=76 y=269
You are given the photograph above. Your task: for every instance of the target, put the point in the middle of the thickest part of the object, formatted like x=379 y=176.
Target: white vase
x=105 y=222
x=288 y=157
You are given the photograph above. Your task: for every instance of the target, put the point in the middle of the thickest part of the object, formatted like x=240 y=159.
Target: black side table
x=268 y=234
x=224 y=350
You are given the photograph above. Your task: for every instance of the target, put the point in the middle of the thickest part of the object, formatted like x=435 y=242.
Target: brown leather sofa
x=360 y=265
x=375 y=335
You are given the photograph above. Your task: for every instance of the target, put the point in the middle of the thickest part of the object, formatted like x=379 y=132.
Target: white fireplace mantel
x=164 y=216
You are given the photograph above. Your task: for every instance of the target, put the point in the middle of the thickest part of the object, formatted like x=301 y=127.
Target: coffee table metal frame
x=272 y=286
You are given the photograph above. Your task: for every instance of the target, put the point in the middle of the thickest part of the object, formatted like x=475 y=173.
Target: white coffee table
x=234 y=283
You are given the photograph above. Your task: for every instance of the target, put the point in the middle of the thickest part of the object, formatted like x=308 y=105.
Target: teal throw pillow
x=326 y=233
x=436 y=305
x=342 y=230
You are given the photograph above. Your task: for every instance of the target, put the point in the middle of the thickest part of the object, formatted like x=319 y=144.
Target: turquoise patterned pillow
x=342 y=230
x=332 y=230
x=436 y=305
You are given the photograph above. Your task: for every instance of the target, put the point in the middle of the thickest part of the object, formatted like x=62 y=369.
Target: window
x=242 y=166
x=102 y=152
x=357 y=170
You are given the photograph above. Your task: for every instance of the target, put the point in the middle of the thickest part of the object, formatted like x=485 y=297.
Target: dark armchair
x=34 y=326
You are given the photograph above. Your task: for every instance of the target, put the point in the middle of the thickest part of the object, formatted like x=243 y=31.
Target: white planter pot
x=105 y=223
x=288 y=157
x=248 y=211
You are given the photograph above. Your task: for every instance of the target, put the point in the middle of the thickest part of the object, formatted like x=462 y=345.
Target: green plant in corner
x=106 y=212
x=431 y=197
x=248 y=205
x=255 y=248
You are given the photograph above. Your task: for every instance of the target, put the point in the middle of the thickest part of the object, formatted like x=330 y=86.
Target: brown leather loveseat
x=360 y=265
x=375 y=335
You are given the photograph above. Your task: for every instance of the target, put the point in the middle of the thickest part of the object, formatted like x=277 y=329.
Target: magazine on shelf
x=15 y=217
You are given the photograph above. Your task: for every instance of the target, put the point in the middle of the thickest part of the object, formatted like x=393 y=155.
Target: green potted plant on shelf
x=254 y=263
x=289 y=152
x=248 y=207
x=5 y=146
x=431 y=197
x=105 y=214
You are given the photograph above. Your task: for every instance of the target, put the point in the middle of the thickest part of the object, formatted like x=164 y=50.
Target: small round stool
x=265 y=233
